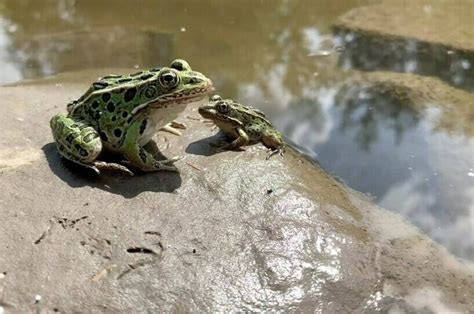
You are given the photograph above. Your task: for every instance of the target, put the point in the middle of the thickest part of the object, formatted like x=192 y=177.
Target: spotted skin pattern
x=244 y=124
x=121 y=113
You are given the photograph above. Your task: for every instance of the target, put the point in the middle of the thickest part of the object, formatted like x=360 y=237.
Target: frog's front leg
x=80 y=143
x=242 y=139
x=139 y=157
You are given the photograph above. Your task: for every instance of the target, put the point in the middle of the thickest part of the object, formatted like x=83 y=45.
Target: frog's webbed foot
x=280 y=150
x=173 y=127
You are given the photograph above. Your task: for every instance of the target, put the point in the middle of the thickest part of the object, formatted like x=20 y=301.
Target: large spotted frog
x=244 y=124
x=121 y=113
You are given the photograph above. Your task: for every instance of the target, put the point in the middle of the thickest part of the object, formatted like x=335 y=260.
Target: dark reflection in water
x=279 y=55
x=406 y=55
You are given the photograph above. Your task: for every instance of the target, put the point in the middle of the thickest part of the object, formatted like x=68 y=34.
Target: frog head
x=223 y=112
x=176 y=84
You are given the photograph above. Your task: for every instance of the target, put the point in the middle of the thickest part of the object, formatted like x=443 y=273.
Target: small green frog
x=121 y=113
x=242 y=123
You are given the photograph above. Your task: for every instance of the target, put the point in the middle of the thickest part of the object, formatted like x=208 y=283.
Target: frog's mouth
x=207 y=112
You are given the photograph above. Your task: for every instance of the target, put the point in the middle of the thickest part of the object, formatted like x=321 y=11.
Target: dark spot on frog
x=95 y=105
x=81 y=151
x=130 y=94
x=142 y=154
x=111 y=107
x=70 y=138
x=143 y=127
x=129 y=119
x=146 y=76
x=103 y=136
x=114 y=118
x=177 y=66
x=96 y=115
x=269 y=191
x=106 y=97
x=194 y=250
x=125 y=80
x=124 y=114
x=156 y=69
x=117 y=132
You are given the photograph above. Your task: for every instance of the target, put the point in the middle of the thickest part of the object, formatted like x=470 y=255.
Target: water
x=281 y=56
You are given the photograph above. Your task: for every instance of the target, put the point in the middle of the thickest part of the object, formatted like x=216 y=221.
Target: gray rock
x=232 y=231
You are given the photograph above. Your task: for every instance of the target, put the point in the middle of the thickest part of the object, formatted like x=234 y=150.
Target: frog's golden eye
x=168 y=79
x=223 y=108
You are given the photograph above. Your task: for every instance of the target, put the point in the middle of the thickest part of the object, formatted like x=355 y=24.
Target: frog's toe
x=163 y=165
x=173 y=127
x=273 y=152
x=171 y=160
x=111 y=166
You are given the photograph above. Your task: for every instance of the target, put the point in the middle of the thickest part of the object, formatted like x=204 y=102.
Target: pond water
x=281 y=56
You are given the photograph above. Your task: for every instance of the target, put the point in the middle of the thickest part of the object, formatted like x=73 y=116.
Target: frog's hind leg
x=275 y=143
x=76 y=141
x=80 y=143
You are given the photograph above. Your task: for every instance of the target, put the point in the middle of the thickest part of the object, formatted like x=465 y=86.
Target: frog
x=121 y=113
x=243 y=124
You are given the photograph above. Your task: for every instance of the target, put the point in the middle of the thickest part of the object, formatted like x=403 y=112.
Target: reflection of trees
x=366 y=108
x=376 y=52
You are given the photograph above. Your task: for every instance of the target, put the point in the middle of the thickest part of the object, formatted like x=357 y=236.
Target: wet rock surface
x=232 y=231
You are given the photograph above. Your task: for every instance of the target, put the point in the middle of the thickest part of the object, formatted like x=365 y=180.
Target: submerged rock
x=232 y=231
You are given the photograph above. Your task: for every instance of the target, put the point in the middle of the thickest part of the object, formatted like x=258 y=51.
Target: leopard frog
x=121 y=113
x=244 y=124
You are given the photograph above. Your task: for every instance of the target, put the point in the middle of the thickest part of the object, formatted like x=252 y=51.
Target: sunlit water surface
x=279 y=56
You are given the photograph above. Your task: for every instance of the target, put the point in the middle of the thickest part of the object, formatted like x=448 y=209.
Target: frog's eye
x=168 y=79
x=180 y=65
x=223 y=108
x=216 y=98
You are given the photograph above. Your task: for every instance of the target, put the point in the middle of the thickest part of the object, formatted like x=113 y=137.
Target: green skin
x=121 y=113
x=243 y=124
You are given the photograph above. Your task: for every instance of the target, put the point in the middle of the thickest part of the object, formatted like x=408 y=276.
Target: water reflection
x=383 y=147
x=362 y=52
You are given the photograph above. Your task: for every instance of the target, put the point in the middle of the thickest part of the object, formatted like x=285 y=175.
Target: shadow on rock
x=111 y=181
x=204 y=146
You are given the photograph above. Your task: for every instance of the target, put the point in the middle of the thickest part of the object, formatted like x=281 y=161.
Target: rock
x=232 y=231
x=432 y=39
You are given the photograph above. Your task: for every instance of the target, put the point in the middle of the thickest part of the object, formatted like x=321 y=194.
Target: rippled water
x=281 y=56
